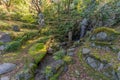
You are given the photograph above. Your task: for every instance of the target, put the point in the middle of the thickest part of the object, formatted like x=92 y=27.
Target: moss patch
x=37 y=51
x=105 y=29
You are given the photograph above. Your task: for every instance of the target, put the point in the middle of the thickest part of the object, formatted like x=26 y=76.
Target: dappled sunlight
x=43 y=38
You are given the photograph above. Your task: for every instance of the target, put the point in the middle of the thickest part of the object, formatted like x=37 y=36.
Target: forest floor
x=76 y=71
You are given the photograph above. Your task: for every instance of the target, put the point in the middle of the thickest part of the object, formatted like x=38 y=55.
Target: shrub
x=13 y=46
x=67 y=59
x=28 y=18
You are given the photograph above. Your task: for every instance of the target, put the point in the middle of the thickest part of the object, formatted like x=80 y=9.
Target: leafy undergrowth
x=31 y=48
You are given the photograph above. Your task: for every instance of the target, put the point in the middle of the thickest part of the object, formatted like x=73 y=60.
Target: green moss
x=37 y=51
x=102 y=43
x=36 y=48
x=67 y=59
x=38 y=58
x=105 y=29
x=1 y=43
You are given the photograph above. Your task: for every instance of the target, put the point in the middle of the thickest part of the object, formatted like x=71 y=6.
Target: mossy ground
x=32 y=51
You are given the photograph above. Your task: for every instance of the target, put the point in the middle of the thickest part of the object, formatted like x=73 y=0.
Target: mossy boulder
x=37 y=51
x=104 y=34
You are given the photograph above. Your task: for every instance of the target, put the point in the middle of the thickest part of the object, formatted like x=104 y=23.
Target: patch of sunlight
x=23 y=47
x=37 y=48
x=30 y=41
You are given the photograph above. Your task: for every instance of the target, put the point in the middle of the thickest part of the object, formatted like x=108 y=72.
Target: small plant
x=59 y=55
x=67 y=59
x=48 y=72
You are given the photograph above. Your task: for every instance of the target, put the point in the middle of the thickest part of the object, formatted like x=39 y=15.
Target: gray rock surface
x=4 y=37
x=6 y=67
x=101 y=36
x=56 y=65
x=118 y=73
x=5 y=78
x=92 y=62
x=16 y=28
x=85 y=51
x=2 y=48
x=119 y=55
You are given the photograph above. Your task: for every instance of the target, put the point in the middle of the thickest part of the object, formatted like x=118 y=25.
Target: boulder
x=70 y=52
x=93 y=63
x=16 y=28
x=118 y=73
x=85 y=51
x=2 y=47
x=4 y=37
x=56 y=65
x=5 y=78
x=119 y=55
x=50 y=50
x=101 y=36
x=6 y=67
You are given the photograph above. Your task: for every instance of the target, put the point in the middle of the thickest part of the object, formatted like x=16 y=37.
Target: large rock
x=94 y=63
x=4 y=37
x=85 y=51
x=119 y=55
x=56 y=65
x=2 y=47
x=101 y=36
x=118 y=73
x=5 y=78
x=6 y=67
x=70 y=52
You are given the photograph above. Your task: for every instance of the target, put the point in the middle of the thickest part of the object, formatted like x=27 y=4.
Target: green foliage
x=1 y=43
x=67 y=59
x=29 y=26
x=48 y=71
x=59 y=55
x=13 y=46
x=28 y=18
x=4 y=25
x=37 y=58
